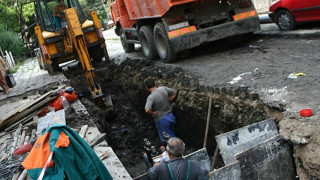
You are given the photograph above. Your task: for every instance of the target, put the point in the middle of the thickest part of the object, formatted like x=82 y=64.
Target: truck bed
x=140 y=9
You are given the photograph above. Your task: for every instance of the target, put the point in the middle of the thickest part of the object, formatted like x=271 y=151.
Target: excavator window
x=47 y=21
x=46 y=17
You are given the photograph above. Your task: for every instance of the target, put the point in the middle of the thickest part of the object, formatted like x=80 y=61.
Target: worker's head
x=60 y=2
x=175 y=147
x=149 y=83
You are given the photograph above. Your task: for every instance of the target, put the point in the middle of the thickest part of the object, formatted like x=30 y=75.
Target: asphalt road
x=262 y=62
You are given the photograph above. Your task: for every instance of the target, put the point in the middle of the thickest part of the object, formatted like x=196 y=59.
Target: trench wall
x=232 y=107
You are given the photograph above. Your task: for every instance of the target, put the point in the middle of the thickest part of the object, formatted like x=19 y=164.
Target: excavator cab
x=53 y=36
x=48 y=21
x=70 y=37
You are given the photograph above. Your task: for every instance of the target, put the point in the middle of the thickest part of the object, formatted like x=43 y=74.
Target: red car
x=287 y=13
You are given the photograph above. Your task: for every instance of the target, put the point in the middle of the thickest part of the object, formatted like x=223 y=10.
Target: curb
x=298 y=34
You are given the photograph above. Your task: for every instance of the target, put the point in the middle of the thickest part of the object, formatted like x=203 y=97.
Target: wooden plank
x=14 y=119
x=25 y=106
x=1 y=52
x=12 y=60
x=8 y=60
x=25 y=119
x=29 y=105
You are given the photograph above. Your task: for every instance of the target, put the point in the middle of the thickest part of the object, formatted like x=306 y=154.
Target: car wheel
x=147 y=43
x=162 y=43
x=285 y=20
x=128 y=48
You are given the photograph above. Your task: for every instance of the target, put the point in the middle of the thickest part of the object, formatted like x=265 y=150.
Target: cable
x=128 y=129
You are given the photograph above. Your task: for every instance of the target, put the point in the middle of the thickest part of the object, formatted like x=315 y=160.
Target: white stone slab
x=112 y=163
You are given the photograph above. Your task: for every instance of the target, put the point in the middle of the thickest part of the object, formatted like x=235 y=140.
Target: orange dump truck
x=167 y=27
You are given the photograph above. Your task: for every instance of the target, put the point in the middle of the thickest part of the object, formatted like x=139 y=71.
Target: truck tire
x=147 y=43
x=128 y=48
x=162 y=43
x=55 y=65
x=50 y=69
x=96 y=53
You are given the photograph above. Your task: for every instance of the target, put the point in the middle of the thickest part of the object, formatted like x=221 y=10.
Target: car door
x=308 y=10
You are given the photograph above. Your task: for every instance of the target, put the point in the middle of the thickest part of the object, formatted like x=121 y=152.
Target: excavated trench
x=127 y=124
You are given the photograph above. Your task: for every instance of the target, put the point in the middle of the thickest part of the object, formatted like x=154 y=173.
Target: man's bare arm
x=149 y=111
x=174 y=96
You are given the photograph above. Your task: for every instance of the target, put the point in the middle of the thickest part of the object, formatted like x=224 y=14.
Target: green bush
x=11 y=42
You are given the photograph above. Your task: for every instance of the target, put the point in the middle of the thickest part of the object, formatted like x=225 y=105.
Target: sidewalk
x=271 y=29
x=30 y=77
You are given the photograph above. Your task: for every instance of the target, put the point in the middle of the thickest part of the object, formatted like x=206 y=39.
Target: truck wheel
x=50 y=69
x=162 y=43
x=55 y=66
x=106 y=55
x=96 y=53
x=285 y=20
x=128 y=48
x=147 y=43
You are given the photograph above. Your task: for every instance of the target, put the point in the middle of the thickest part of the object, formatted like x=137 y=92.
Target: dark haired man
x=158 y=105
x=176 y=167
x=58 y=13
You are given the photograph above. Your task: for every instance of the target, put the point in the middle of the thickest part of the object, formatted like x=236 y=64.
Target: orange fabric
x=56 y=104
x=245 y=15
x=63 y=141
x=39 y=154
x=181 y=31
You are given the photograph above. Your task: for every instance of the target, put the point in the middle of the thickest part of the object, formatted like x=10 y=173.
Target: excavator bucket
x=103 y=101
x=108 y=101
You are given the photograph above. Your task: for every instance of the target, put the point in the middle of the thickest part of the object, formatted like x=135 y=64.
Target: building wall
x=262 y=6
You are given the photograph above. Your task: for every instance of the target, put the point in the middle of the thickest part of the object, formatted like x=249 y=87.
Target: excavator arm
x=79 y=43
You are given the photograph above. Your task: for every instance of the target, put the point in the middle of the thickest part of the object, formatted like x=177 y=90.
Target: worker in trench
x=177 y=167
x=158 y=105
x=3 y=70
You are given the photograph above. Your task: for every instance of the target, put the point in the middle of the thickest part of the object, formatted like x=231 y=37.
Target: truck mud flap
x=193 y=39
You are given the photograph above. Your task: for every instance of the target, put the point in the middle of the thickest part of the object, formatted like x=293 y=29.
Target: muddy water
x=127 y=124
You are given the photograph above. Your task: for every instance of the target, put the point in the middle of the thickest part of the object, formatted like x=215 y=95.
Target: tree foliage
x=10 y=41
x=9 y=17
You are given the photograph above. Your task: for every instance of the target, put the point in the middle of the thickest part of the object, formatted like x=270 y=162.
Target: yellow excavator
x=68 y=37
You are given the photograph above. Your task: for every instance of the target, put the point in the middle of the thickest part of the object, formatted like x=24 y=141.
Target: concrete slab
x=112 y=163
x=30 y=77
x=201 y=156
x=228 y=172
x=58 y=117
x=270 y=159
x=236 y=141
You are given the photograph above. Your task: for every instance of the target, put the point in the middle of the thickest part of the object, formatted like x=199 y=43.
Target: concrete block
x=228 y=172
x=270 y=159
x=202 y=158
x=112 y=163
x=236 y=141
x=50 y=119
